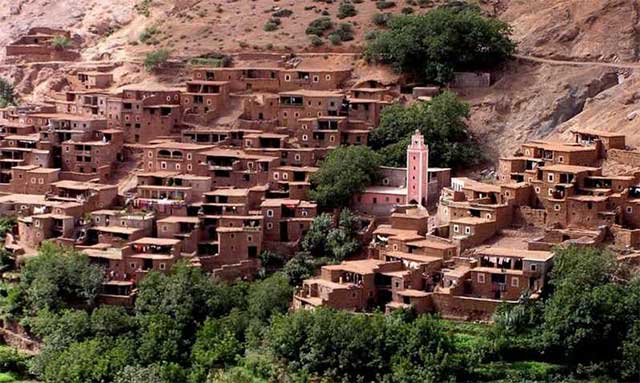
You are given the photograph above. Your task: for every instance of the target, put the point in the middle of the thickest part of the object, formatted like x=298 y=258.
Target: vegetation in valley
x=188 y=327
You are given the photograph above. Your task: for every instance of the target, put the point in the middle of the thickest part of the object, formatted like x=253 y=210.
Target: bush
x=381 y=19
x=7 y=94
x=156 y=59
x=271 y=25
x=61 y=42
x=146 y=36
x=319 y=26
x=284 y=12
x=346 y=10
x=384 y=4
x=316 y=41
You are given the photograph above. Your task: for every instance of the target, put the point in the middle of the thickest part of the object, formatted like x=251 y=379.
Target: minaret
x=417 y=170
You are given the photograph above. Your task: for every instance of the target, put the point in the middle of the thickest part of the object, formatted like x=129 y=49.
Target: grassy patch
x=519 y=371
x=8 y=377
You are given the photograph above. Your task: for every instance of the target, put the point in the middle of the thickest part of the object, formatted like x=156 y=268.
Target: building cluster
x=43 y=44
x=223 y=170
x=455 y=263
x=213 y=195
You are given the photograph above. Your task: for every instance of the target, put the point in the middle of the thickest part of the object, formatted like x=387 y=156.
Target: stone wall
x=627 y=157
x=464 y=308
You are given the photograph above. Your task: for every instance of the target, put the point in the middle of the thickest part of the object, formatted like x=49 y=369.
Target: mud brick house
x=15 y=128
x=507 y=273
x=230 y=167
x=145 y=113
x=173 y=157
x=89 y=102
x=38 y=45
x=116 y=228
x=151 y=254
x=89 y=159
x=94 y=79
x=292 y=79
x=297 y=104
x=286 y=221
x=204 y=100
x=32 y=179
x=168 y=193
x=92 y=196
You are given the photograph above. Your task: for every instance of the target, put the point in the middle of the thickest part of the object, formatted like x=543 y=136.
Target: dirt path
x=579 y=63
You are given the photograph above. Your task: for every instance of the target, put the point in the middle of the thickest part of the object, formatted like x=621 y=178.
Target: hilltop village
x=143 y=176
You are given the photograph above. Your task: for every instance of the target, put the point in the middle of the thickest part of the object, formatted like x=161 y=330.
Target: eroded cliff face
x=528 y=100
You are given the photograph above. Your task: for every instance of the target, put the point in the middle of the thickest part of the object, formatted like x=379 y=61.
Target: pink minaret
x=417 y=170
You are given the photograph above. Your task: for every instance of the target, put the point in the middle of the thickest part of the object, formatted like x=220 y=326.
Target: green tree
x=431 y=46
x=59 y=276
x=218 y=344
x=442 y=122
x=153 y=373
x=346 y=171
x=269 y=296
x=111 y=321
x=95 y=360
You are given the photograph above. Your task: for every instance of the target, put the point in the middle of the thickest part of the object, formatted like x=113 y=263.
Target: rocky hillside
x=529 y=99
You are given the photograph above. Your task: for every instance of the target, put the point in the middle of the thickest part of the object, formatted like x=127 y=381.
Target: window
x=556 y=207
x=550 y=177
x=316 y=78
x=189 y=167
x=327 y=77
x=515 y=282
x=456 y=228
x=269 y=213
x=560 y=159
x=189 y=156
x=162 y=266
x=269 y=225
x=163 y=165
x=481 y=278
x=287 y=77
x=629 y=209
x=285 y=176
x=150 y=154
x=177 y=166
x=276 y=176
x=305 y=137
x=550 y=191
x=533 y=267
x=164 y=228
x=467 y=230
x=132 y=266
x=537 y=188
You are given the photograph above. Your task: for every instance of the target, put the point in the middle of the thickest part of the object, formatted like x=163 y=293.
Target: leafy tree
x=269 y=296
x=345 y=171
x=59 y=276
x=6 y=223
x=631 y=353
x=111 y=321
x=219 y=342
x=7 y=94
x=301 y=267
x=430 y=47
x=271 y=262
x=161 y=339
x=442 y=123
x=95 y=360
x=340 y=346
x=153 y=373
